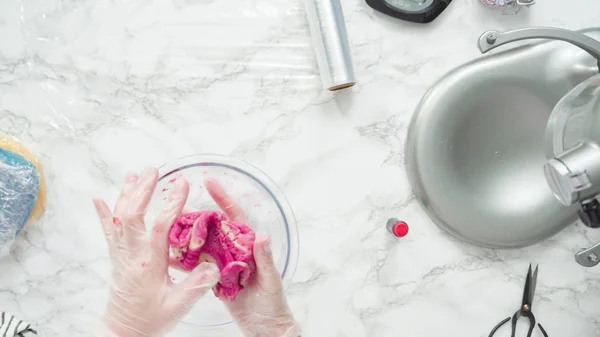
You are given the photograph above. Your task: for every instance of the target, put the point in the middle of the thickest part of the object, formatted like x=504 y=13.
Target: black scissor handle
x=519 y=314
x=498 y=326
x=508 y=319
x=542 y=330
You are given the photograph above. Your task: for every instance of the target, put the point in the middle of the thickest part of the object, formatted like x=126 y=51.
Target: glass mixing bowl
x=575 y=119
x=263 y=202
x=573 y=147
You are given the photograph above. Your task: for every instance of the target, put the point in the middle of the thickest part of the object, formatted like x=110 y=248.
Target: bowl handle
x=493 y=39
x=589 y=257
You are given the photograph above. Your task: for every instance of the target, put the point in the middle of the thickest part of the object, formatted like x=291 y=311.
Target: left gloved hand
x=143 y=300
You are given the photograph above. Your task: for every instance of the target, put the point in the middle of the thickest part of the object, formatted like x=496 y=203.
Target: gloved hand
x=143 y=299
x=261 y=308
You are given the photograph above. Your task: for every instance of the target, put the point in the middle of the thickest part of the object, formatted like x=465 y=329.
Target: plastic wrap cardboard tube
x=330 y=42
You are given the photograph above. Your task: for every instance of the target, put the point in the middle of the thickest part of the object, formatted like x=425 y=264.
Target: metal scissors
x=525 y=310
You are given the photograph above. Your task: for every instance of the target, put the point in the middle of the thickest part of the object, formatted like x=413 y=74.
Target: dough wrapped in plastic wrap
x=21 y=191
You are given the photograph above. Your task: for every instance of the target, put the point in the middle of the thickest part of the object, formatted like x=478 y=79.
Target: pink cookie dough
x=209 y=236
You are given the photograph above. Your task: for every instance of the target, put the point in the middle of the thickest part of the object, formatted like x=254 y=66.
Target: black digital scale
x=420 y=11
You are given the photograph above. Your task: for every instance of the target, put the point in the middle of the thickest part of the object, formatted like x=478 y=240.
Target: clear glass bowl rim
x=264 y=181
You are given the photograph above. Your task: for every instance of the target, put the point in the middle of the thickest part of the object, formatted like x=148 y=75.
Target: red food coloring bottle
x=397 y=228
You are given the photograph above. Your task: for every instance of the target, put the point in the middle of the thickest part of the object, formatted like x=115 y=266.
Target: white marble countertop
x=101 y=87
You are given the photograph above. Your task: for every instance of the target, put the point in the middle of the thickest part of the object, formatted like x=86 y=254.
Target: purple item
x=209 y=236
x=497 y=3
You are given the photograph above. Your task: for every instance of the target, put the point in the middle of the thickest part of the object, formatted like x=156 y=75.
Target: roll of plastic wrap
x=330 y=42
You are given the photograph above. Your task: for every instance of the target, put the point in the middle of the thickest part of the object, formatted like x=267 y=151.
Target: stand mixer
x=573 y=151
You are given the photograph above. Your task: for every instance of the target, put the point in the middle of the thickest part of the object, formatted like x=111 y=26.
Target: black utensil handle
x=542 y=329
x=498 y=326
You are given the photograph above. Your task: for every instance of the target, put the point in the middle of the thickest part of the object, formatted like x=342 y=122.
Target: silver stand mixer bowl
x=475 y=149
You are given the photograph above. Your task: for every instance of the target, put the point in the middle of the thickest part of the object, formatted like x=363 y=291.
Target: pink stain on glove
x=209 y=236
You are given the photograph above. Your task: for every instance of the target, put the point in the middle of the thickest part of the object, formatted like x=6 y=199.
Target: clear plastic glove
x=143 y=300
x=261 y=308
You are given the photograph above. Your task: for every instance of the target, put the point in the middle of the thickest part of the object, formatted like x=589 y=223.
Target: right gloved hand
x=261 y=308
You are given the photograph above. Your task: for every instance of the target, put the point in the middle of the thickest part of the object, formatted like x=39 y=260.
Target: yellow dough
x=12 y=145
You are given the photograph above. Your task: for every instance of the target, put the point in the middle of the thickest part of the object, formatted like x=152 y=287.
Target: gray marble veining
x=97 y=88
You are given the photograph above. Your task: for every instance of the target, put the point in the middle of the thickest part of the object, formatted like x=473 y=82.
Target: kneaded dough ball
x=12 y=145
x=209 y=236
